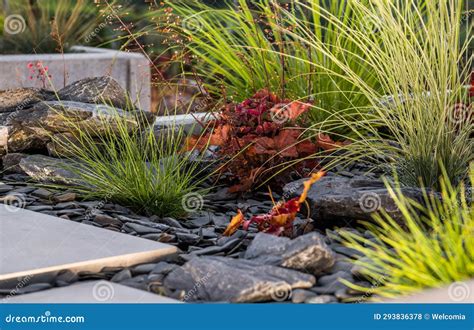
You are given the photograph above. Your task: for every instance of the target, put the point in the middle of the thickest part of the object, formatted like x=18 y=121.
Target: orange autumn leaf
x=280 y=217
x=234 y=224
x=308 y=183
x=325 y=142
x=289 y=110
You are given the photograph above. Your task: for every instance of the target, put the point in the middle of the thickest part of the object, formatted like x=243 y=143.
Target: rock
x=307 y=253
x=234 y=280
x=21 y=98
x=33 y=128
x=39 y=208
x=170 y=222
x=220 y=221
x=188 y=238
x=323 y=299
x=96 y=90
x=213 y=250
x=123 y=275
x=4 y=188
x=65 y=277
x=106 y=220
x=140 y=229
x=198 y=222
x=299 y=296
x=337 y=198
x=34 y=287
x=48 y=169
x=11 y=162
x=341 y=265
x=143 y=269
x=42 y=193
x=163 y=268
x=329 y=284
x=66 y=197
x=59 y=145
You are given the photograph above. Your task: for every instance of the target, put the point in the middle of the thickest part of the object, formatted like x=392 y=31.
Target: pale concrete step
x=32 y=243
x=91 y=292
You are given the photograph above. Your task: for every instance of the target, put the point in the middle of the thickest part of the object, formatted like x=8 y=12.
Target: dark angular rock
x=21 y=98
x=163 y=268
x=47 y=169
x=123 y=275
x=106 y=220
x=11 y=162
x=4 y=188
x=188 y=238
x=329 y=284
x=34 y=288
x=226 y=279
x=170 y=222
x=338 y=198
x=306 y=253
x=31 y=129
x=96 y=90
x=66 y=197
x=141 y=229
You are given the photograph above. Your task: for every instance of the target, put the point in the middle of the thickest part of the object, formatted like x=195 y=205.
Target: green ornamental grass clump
x=127 y=163
x=50 y=26
x=420 y=115
x=242 y=48
x=431 y=247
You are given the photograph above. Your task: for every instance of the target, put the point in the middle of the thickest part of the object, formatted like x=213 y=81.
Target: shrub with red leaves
x=256 y=136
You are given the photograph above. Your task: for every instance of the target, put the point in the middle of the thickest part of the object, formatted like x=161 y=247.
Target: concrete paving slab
x=32 y=243
x=91 y=292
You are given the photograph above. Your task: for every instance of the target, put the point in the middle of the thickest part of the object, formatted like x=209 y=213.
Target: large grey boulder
x=31 y=129
x=341 y=198
x=95 y=90
x=29 y=117
x=308 y=253
x=235 y=280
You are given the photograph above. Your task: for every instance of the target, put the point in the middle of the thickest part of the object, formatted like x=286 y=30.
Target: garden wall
x=131 y=70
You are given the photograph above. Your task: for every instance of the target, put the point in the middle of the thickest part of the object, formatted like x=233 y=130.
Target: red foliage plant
x=259 y=135
x=279 y=220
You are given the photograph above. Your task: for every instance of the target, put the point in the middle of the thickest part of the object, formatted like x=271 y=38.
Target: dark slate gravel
x=200 y=236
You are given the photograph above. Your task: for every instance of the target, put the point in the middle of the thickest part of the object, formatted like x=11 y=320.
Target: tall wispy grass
x=433 y=247
x=413 y=120
x=240 y=51
x=51 y=26
x=126 y=162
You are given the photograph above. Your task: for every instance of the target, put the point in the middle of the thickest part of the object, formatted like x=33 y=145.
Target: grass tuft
x=127 y=163
x=432 y=248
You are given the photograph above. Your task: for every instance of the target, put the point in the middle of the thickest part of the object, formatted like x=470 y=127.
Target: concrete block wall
x=131 y=70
